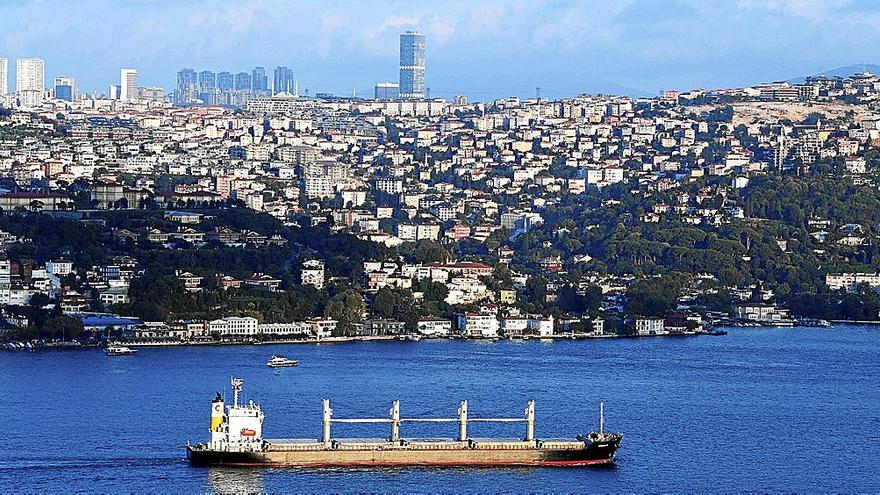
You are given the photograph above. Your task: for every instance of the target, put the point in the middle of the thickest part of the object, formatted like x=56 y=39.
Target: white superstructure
x=236 y=428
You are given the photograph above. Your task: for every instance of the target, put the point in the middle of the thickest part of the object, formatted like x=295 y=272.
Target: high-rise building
x=283 y=82
x=260 y=84
x=187 y=91
x=387 y=91
x=207 y=85
x=242 y=81
x=65 y=88
x=224 y=81
x=30 y=81
x=4 y=76
x=412 y=65
x=128 y=84
x=207 y=81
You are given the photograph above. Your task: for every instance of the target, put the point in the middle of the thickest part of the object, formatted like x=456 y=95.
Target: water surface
x=793 y=410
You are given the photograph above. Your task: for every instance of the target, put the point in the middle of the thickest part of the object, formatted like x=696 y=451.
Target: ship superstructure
x=236 y=439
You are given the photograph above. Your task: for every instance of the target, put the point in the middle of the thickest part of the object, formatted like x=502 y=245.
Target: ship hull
x=591 y=455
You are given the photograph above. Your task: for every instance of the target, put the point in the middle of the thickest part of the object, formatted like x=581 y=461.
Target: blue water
x=757 y=410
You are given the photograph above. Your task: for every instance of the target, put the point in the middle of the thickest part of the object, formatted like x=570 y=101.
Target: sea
x=757 y=410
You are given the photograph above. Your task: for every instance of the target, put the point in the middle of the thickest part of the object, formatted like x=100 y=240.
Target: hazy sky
x=483 y=48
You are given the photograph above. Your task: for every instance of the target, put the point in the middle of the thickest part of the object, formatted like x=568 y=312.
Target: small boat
x=119 y=350
x=281 y=362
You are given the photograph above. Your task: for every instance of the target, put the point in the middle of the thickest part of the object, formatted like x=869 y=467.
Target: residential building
x=313 y=273
x=4 y=76
x=30 y=81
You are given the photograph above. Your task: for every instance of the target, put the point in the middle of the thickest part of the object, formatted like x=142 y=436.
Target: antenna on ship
x=236 y=388
x=601 y=417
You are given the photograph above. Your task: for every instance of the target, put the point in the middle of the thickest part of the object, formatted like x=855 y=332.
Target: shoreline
x=61 y=346
x=721 y=330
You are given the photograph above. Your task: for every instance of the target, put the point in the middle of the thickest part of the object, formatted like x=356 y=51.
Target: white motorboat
x=281 y=362
x=119 y=350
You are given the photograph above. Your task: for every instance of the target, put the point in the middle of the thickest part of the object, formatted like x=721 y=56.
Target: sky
x=483 y=48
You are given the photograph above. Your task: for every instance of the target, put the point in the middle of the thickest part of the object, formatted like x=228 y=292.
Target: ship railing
x=395 y=421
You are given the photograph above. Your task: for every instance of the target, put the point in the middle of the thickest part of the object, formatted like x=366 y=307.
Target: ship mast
x=601 y=417
x=236 y=388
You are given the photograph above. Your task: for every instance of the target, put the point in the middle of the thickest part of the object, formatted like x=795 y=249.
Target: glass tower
x=259 y=80
x=412 y=65
x=283 y=82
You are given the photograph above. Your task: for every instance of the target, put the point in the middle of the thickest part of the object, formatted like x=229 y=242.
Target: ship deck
x=306 y=444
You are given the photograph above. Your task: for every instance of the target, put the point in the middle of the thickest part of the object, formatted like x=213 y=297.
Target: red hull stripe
x=572 y=463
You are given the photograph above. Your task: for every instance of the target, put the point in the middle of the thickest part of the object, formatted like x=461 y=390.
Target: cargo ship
x=237 y=440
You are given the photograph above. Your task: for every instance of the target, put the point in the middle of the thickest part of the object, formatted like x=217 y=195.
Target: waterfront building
x=649 y=326
x=127 y=84
x=412 y=65
x=64 y=88
x=477 y=325
x=30 y=81
x=434 y=327
x=762 y=313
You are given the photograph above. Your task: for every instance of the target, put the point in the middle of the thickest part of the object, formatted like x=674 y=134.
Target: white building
x=434 y=327
x=285 y=329
x=541 y=325
x=649 y=326
x=313 y=273
x=30 y=81
x=322 y=327
x=234 y=326
x=4 y=76
x=851 y=281
x=59 y=268
x=478 y=325
x=127 y=84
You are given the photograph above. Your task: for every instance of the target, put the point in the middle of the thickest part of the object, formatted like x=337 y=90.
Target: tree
x=429 y=251
x=347 y=308
x=64 y=327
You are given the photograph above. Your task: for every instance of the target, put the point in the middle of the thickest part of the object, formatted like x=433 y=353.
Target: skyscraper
x=30 y=81
x=128 y=84
x=412 y=65
x=207 y=81
x=65 y=88
x=187 y=87
x=224 y=81
x=283 y=82
x=242 y=81
x=4 y=76
x=259 y=81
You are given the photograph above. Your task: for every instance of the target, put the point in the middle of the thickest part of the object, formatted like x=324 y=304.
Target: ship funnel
x=216 y=413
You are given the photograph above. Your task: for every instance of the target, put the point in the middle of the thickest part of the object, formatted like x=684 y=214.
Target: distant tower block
x=412 y=65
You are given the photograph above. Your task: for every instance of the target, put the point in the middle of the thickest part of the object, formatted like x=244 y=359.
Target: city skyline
x=567 y=48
